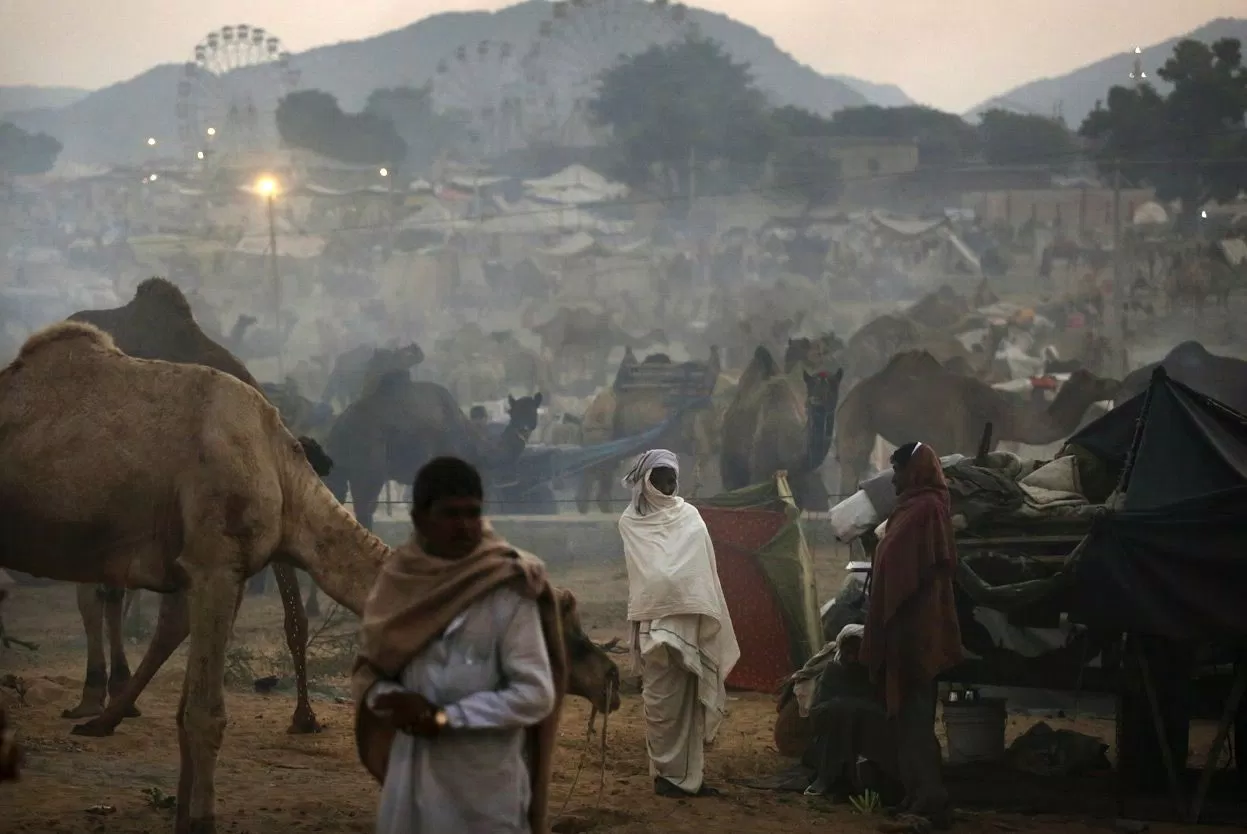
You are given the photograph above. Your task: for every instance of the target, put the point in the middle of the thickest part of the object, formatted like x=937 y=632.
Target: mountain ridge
x=111 y=124
x=1077 y=91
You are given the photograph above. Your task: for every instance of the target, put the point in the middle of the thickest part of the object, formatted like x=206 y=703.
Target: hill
x=881 y=95
x=31 y=98
x=1078 y=91
x=110 y=125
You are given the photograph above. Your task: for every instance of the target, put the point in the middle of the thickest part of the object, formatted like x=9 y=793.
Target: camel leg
x=313 y=599
x=213 y=596
x=172 y=626
x=95 y=686
x=304 y=720
x=119 y=667
x=604 y=487
x=365 y=492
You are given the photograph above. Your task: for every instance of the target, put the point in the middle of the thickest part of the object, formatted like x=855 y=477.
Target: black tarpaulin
x=1172 y=560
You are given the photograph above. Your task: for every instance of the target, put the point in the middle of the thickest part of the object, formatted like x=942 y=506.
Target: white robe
x=683 y=638
x=490 y=671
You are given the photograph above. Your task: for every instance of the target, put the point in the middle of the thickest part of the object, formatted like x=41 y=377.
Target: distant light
x=151 y=140
x=384 y=172
x=212 y=131
x=200 y=154
x=266 y=187
x=153 y=177
x=1203 y=215
x=1138 y=51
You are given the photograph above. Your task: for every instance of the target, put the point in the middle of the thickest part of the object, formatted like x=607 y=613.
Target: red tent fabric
x=760 y=628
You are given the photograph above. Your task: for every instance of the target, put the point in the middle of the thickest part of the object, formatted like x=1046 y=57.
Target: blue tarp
x=538 y=466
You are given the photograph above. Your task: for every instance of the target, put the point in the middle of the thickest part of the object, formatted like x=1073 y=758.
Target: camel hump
x=69 y=335
x=162 y=291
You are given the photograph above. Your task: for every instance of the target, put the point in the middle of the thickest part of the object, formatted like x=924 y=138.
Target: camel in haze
x=224 y=492
x=917 y=398
x=158 y=324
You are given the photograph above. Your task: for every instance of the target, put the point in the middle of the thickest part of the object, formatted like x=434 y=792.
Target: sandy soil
x=269 y=781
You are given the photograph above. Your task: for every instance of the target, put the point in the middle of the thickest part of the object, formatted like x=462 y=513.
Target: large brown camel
x=1223 y=378
x=869 y=349
x=780 y=421
x=615 y=414
x=392 y=431
x=158 y=324
x=225 y=492
x=917 y=398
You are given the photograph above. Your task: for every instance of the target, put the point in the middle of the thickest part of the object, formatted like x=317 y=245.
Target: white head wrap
x=644 y=494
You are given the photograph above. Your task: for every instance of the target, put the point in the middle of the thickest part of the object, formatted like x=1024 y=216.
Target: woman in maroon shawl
x=912 y=634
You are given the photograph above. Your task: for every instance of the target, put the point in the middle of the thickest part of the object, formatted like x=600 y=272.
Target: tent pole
x=1158 y=726
x=1214 y=754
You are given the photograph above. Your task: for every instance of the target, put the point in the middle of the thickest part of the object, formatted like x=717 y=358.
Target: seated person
x=850 y=724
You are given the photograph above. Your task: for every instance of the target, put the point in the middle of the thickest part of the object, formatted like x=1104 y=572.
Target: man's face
x=451 y=527
x=664 y=479
x=900 y=478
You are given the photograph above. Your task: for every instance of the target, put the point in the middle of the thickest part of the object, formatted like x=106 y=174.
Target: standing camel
x=780 y=422
x=158 y=324
x=917 y=398
x=225 y=493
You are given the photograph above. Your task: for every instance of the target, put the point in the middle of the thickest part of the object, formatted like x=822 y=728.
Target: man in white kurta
x=682 y=633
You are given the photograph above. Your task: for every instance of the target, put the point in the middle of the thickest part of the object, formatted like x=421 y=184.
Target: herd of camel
x=198 y=481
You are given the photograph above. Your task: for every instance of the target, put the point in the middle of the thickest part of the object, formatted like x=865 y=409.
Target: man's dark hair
x=443 y=478
x=478 y=412
x=902 y=455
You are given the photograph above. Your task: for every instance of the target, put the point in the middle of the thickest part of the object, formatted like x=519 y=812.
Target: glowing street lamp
x=199 y=155
x=1138 y=74
x=384 y=172
x=212 y=131
x=151 y=141
x=266 y=187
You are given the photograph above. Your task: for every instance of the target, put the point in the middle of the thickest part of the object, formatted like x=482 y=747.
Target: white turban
x=644 y=494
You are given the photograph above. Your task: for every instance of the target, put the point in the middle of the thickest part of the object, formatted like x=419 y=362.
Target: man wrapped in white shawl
x=682 y=635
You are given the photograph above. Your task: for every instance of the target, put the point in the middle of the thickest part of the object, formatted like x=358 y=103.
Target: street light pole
x=272 y=248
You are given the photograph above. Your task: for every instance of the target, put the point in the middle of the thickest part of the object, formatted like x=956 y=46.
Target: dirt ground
x=269 y=781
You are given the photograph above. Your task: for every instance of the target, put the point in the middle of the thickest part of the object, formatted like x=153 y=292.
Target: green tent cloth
x=786 y=561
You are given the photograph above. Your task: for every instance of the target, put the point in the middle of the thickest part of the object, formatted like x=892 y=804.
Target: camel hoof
x=204 y=825
x=132 y=711
x=302 y=725
x=82 y=711
x=94 y=729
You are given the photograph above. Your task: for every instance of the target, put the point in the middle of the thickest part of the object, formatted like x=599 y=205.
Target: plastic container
x=975 y=729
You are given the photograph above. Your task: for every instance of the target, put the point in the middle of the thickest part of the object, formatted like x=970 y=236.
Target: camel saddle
x=685 y=383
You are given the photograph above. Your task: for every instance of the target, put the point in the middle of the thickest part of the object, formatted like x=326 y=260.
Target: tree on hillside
x=801 y=163
x=23 y=153
x=671 y=105
x=312 y=120
x=1189 y=145
x=942 y=138
x=424 y=131
x=1010 y=138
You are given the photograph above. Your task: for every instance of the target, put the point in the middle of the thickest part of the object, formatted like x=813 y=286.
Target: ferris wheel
x=581 y=40
x=483 y=83
x=228 y=96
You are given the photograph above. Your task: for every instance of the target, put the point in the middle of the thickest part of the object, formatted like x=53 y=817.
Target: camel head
x=321 y=463
x=523 y=414
x=591 y=671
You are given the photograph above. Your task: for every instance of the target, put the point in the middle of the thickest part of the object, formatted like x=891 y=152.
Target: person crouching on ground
x=682 y=637
x=912 y=635
x=460 y=672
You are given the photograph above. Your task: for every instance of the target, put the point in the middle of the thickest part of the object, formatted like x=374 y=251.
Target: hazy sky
x=948 y=53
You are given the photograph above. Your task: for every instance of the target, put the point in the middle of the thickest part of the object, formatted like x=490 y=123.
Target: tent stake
x=1223 y=730
x=1158 y=725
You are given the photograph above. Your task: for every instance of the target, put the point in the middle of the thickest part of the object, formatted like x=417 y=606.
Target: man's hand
x=410 y=712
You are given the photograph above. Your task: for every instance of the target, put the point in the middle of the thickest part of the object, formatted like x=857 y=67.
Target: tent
x=1168 y=559
x=767 y=572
